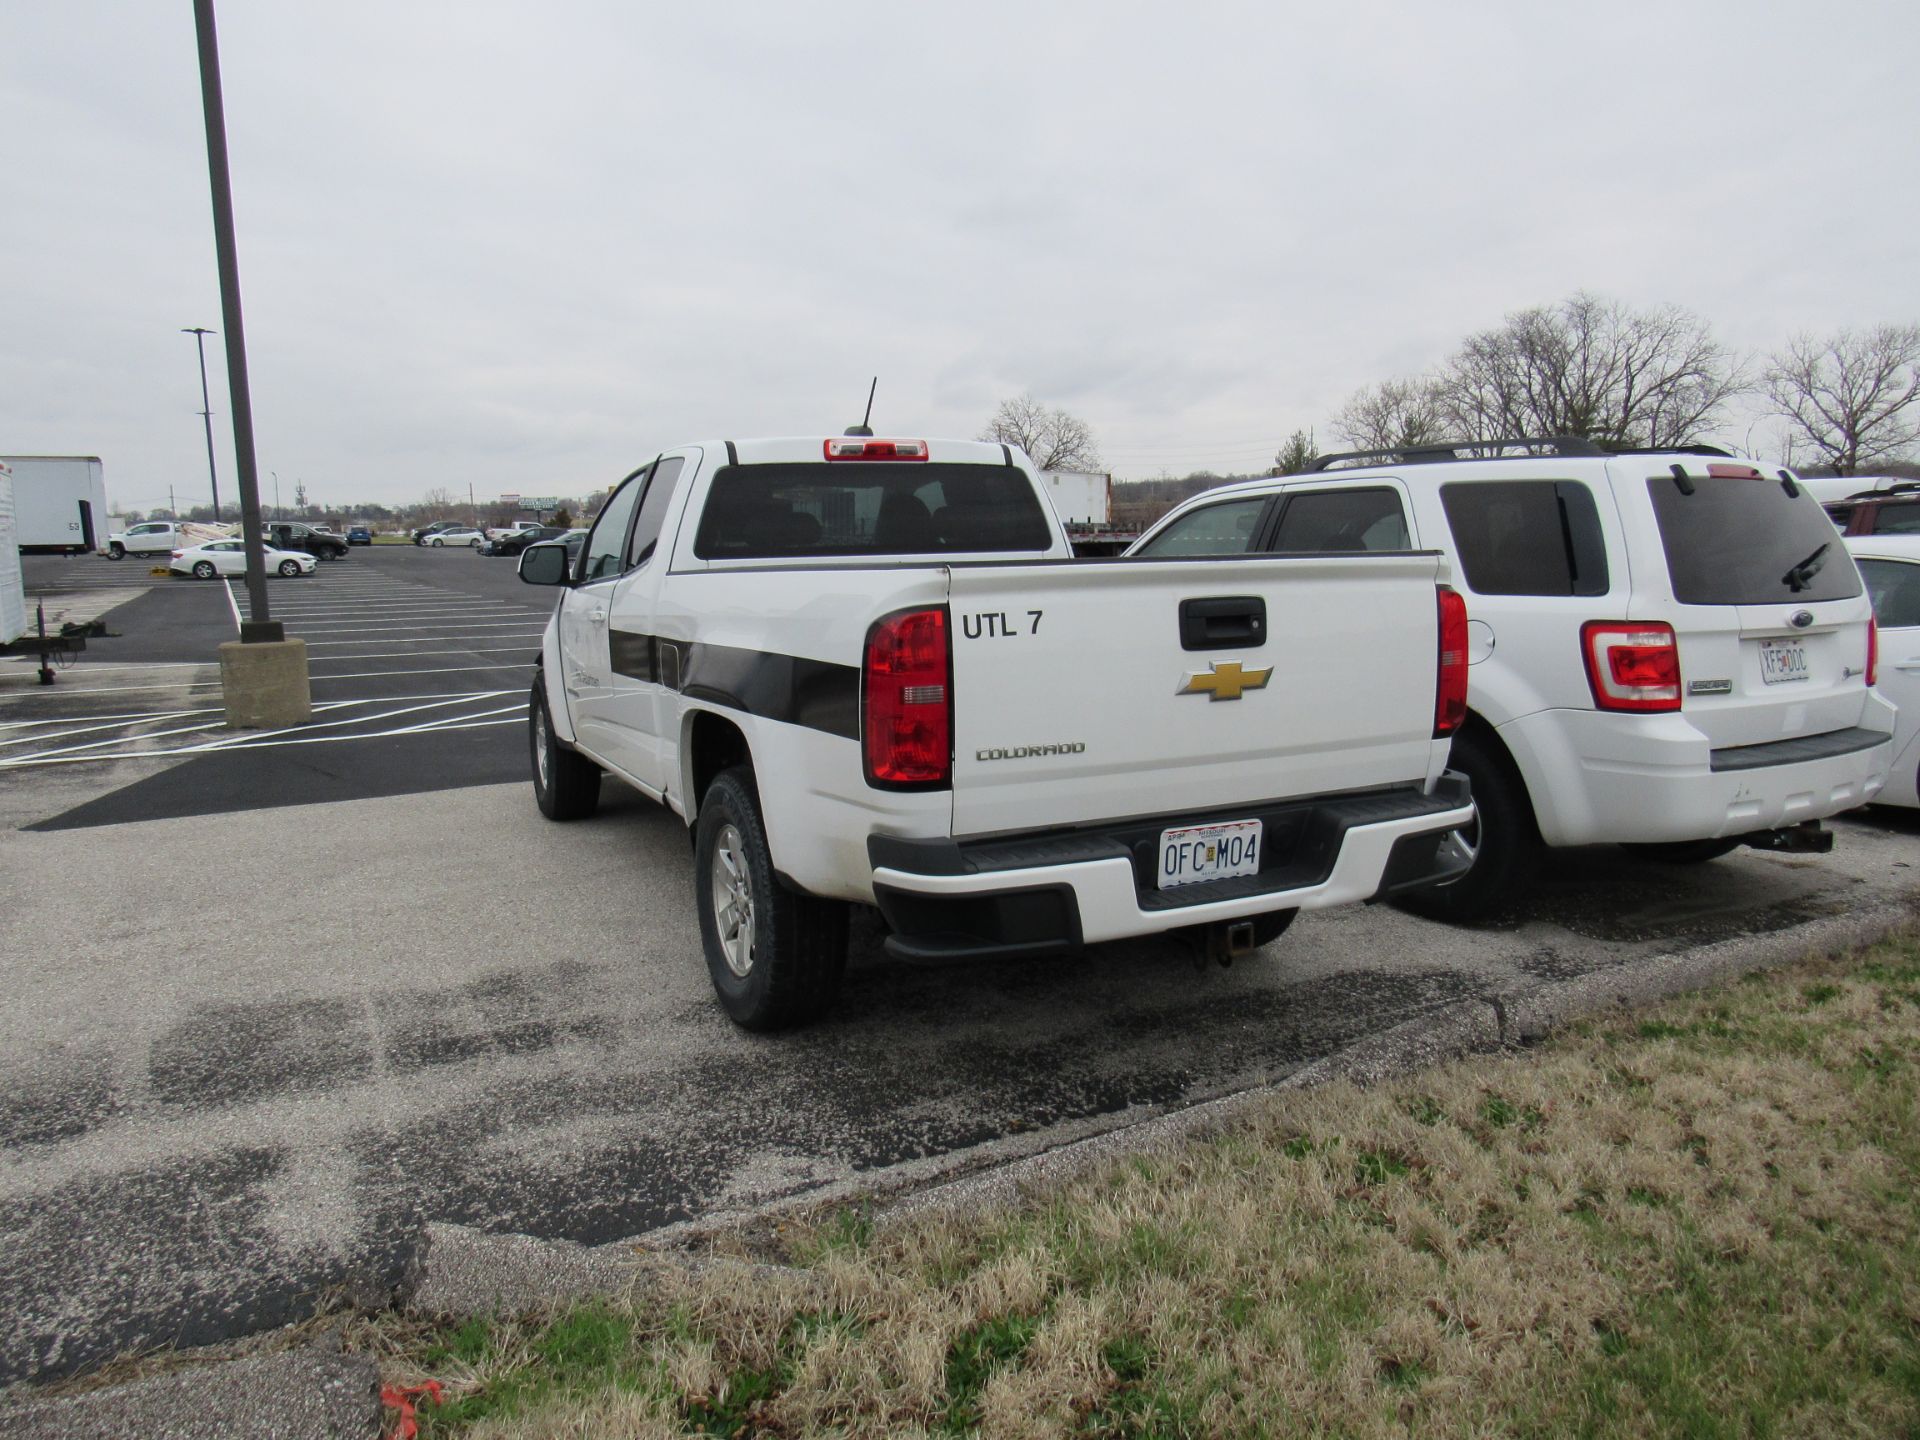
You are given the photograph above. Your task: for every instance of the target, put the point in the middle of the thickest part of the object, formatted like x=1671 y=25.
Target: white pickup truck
x=870 y=672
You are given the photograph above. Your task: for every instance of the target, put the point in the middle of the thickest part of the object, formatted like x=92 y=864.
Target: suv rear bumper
x=1602 y=779
x=1036 y=894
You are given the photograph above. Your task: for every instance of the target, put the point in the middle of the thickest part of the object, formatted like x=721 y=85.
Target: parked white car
x=472 y=539
x=229 y=557
x=1667 y=650
x=1890 y=564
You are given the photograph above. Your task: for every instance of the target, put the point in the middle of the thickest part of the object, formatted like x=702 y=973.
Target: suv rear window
x=1737 y=541
x=1527 y=537
x=764 y=512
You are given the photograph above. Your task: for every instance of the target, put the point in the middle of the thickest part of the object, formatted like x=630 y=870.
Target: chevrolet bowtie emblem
x=1225 y=682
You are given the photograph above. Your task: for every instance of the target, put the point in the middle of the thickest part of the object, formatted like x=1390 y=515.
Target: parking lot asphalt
x=404 y=645
x=250 y=1054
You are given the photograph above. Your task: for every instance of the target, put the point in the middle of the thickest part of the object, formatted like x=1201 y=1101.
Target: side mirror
x=544 y=564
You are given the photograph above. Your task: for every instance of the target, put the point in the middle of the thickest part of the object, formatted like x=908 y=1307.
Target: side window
x=1895 y=587
x=653 y=508
x=1897 y=520
x=1527 y=537
x=1229 y=528
x=606 y=547
x=1349 y=519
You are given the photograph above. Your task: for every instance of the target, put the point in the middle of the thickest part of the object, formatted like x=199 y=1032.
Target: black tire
x=116 y=551
x=1271 y=926
x=1504 y=838
x=567 y=785
x=785 y=970
x=203 y=570
x=1683 y=852
x=289 y=568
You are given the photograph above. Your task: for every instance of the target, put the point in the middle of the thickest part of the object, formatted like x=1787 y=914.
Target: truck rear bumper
x=1040 y=894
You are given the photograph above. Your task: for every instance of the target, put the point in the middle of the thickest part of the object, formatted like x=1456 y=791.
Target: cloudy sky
x=523 y=246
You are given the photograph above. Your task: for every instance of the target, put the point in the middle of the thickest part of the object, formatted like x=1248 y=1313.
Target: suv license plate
x=1781 y=662
x=1209 y=852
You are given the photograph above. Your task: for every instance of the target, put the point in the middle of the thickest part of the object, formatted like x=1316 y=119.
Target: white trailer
x=13 y=585
x=1079 y=497
x=59 y=503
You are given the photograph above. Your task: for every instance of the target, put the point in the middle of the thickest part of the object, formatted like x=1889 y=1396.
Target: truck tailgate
x=1080 y=695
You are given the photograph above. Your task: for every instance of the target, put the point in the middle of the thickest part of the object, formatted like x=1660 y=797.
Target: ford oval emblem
x=1800 y=619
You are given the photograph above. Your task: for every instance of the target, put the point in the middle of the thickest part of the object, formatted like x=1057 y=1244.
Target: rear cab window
x=1740 y=541
x=1527 y=537
x=878 y=508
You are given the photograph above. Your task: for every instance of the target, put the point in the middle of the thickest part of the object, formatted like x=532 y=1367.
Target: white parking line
x=261 y=745
x=442 y=621
x=438 y=670
x=426 y=639
x=98 y=749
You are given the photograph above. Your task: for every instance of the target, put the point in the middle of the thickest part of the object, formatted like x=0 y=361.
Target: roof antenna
x=863 y=428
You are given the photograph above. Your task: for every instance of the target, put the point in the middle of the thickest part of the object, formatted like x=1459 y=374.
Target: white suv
x=1669 y=650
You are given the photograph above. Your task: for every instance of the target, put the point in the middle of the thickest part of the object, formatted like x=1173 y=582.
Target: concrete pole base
x=265 y=684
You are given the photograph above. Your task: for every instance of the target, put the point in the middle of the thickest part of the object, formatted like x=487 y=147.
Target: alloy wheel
x=733 y=901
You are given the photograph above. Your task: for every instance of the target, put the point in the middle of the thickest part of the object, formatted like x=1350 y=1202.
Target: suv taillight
x=1873 y=652
x=1632 y=667
x=1450 y=693
x=907 y=702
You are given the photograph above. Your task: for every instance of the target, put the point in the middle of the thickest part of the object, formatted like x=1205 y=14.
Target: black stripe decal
x=789 y=688
x=632 y=654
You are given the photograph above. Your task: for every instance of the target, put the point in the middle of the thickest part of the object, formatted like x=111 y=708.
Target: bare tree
x=437 y=502
x=1393 y=415
x=1297 y=454
x=1591 y=367
x=1850 y=395
x=1053 y=439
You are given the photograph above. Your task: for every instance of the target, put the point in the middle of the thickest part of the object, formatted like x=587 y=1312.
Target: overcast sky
x=525 y=246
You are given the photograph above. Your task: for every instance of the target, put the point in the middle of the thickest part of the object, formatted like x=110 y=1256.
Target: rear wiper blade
x=1801 y=575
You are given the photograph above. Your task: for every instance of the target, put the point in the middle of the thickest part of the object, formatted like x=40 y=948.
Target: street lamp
x=200 y=333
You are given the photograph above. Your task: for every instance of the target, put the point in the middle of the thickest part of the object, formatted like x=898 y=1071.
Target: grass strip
x=1697 y=1220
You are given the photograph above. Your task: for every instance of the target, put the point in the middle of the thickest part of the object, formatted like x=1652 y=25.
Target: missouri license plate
x=1209 y=852
x=1781 y=661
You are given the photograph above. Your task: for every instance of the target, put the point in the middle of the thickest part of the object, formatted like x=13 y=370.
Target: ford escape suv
x=1668 y=650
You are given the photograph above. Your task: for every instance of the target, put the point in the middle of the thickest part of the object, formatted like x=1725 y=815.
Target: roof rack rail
x=1466 y=450
x=1694 y=449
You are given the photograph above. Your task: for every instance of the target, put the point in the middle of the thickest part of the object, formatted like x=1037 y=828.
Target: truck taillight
x=1873 y=652
x=855 y=448
x=907 y=702
x=1450 y=689
x=1631 y=666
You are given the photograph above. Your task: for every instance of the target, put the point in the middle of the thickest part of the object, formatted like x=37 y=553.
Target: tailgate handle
x=1223 y=622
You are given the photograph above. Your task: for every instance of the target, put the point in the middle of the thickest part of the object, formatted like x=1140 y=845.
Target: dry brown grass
x=1696 y=1221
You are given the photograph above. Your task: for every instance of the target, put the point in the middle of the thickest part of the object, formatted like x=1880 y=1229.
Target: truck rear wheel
x=566 y=785
x=1503 y=838
x=775 y=956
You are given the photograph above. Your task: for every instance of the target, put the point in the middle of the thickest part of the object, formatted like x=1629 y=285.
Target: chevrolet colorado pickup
x=869 y=672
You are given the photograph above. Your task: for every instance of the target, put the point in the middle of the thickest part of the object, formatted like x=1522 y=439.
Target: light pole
x=276 y=493
x=200 y=333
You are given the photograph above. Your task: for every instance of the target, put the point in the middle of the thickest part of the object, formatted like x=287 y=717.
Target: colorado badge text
x=1224 y=682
